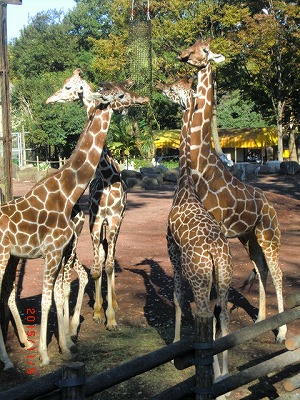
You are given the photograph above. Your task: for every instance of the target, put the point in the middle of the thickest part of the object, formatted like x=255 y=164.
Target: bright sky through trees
x=18 y=16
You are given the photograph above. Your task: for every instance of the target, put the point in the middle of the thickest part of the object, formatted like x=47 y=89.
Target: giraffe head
x=199 y=55
x=117 y=96
x=74 y=88
x=178 y=92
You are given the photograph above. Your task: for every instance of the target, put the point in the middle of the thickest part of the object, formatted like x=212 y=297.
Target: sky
x=18 y=16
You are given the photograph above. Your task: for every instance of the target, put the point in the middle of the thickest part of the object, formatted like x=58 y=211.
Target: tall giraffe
x=39 y=224
x=197 y=248
x=241 y=210
x=107 y=202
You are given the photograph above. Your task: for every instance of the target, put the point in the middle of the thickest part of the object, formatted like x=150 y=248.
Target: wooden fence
x=70 y=382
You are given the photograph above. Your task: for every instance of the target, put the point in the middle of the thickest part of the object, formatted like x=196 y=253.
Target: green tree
x=270 y=57
x=48 y=126
x=236 y=112
x=45 y=45
x=261 y=50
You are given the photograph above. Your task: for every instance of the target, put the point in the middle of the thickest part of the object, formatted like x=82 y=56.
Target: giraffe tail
x=250 y=280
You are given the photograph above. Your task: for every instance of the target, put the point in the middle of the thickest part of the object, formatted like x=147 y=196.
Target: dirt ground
x=144 y=280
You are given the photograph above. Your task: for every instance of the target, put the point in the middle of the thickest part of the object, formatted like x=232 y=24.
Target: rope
x=132 y=11
x=147 y=11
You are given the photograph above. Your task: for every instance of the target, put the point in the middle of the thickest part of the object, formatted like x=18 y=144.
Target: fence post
x=72 y=382
x=204 y=375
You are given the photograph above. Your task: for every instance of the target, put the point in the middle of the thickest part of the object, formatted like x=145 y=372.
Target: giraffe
x=39 y=224
x=197 y=248
x=241 y=210
x=107 y=202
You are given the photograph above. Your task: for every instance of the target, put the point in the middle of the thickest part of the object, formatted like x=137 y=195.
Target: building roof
x=243 y=138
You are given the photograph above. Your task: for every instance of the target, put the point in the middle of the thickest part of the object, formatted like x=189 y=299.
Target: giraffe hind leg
x=83 y=280
x=97 y=269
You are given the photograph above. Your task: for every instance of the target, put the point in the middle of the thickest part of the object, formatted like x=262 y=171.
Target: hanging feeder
x=140 y=48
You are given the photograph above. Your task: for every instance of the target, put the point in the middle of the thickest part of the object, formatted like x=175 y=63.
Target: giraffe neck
x=200 y=125
x=184 y=149
x=107 y=169
x=70 y=182
x=87 y=99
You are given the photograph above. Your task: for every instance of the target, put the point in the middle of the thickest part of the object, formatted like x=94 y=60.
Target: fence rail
x=183 y=353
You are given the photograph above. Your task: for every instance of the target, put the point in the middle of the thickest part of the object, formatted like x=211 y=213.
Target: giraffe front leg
x=16 y=316
x=98 y=314
x=3 y=353
x=45 y=306
x=112 y=305
x=4 y=356
x=52 y=264
x=65 y=342
x=96 y=271
x=96 y=231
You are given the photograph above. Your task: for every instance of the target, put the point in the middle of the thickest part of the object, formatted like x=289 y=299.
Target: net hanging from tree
x=140 y=48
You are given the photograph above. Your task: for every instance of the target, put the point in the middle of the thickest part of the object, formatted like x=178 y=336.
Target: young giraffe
x=107 y=201
x=241 y=210
x=197 y=248
x=39 y=224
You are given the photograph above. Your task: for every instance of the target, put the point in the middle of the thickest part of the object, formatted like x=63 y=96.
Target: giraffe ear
x=208 y=41
x=78 y=71
x=191 y=79
x=80 y=93
x=217 y=58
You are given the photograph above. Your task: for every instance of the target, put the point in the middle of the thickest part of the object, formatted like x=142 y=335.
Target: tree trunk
x=214 y=126
x=280 y=129
x=293 y=147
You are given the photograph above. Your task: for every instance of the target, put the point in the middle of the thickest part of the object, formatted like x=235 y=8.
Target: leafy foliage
x=44 y=46
x=235 y=112
x=258 y=84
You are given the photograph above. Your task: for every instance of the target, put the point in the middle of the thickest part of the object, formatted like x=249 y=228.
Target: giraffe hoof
x=280 y=339
x=98 y=320
x=73 y=348
x=281 y=336
x=112 y=327
x=9 y=367
x=45 y=362
x=67 y=356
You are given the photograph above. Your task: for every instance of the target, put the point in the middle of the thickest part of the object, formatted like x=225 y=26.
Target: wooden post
x=5 y=104
x=293 y=343
x=5 y=100
x=23 y=147
x=292 y=383
x=203 y=345
x=72 y=382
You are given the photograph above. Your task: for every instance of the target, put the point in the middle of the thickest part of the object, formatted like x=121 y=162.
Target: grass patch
x=115 y=348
